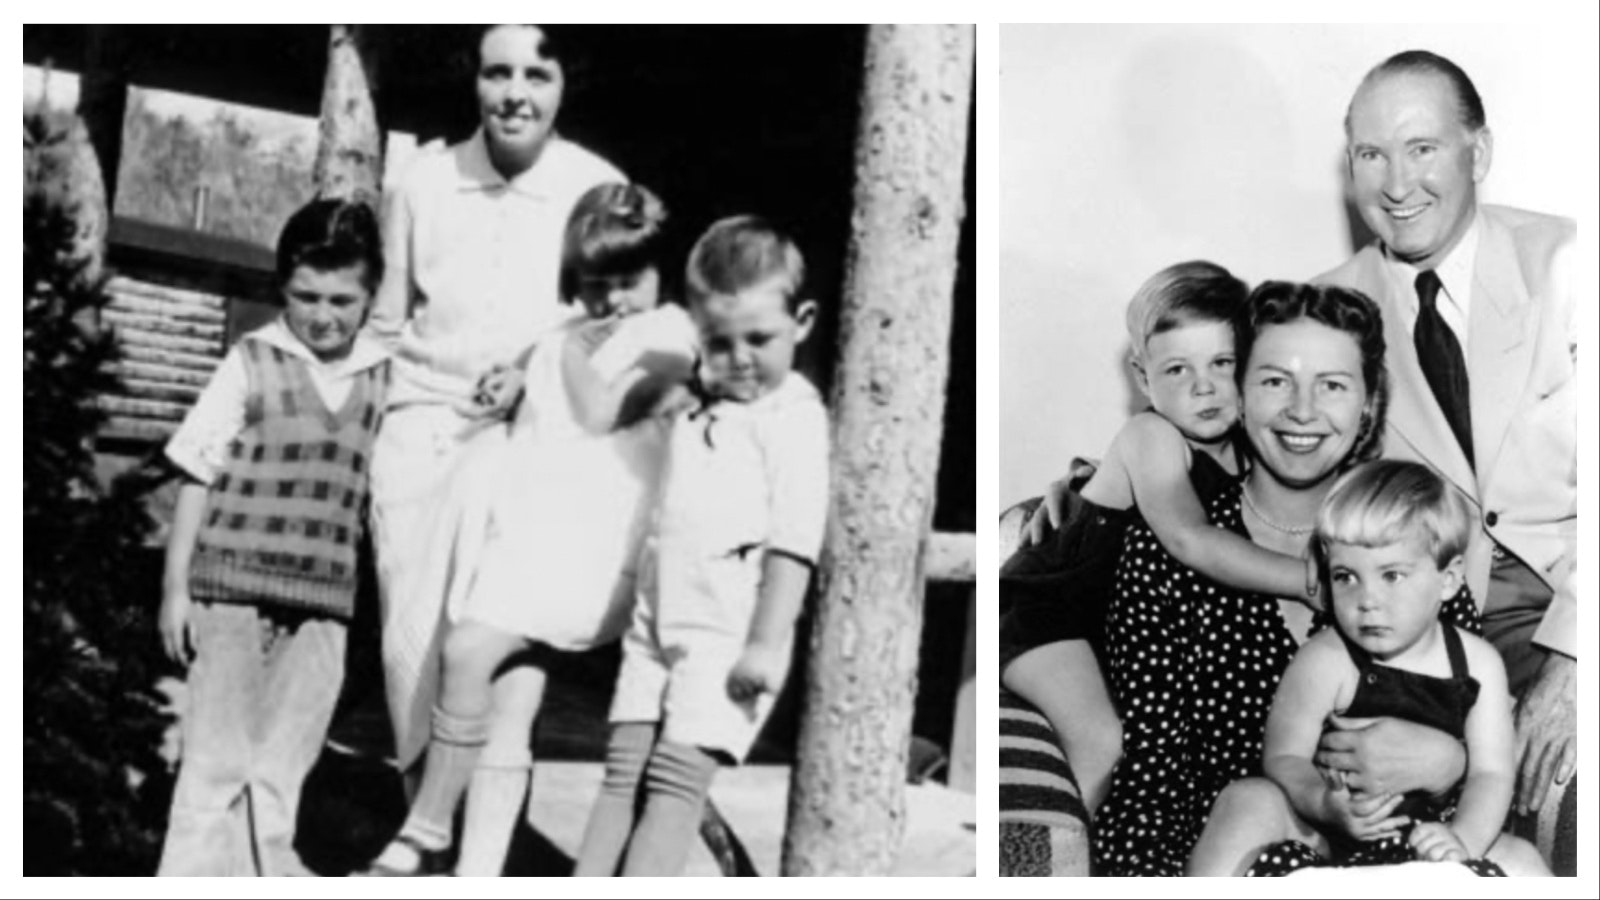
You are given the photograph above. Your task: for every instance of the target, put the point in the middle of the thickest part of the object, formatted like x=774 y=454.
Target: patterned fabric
x=1292 y=856
x=1554 y=829
x=1044 y=827
x=282 y=519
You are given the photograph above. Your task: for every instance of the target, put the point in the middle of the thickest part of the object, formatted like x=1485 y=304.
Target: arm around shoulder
x=1157 y=462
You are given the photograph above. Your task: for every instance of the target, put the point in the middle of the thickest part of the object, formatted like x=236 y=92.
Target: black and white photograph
x=1288 y=486
x=505 y=450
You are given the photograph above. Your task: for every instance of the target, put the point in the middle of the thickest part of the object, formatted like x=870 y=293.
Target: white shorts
x=684 y=686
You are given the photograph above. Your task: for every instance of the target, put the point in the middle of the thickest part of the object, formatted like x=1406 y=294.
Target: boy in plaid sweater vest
x=261 y=564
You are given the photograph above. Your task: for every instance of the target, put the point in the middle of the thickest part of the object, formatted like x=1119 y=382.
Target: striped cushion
x=1554 y=830
x=1043 y=823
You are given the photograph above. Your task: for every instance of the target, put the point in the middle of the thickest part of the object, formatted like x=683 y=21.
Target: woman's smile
x=1300 y=443
x=1303 y=400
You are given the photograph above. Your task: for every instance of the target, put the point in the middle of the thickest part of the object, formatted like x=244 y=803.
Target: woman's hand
x=497 y=392
x=1391 y=756
x=1435 y=842
x=1364 y=817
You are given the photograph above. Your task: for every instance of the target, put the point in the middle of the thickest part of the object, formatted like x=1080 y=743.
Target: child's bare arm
x=1155 y=455
x=595 y=403
x=198 y=450
x=176 y=634
x=602 y=404
x=1305 y=695
x=1486 y=795
x=1312 y=688
x=765 y=661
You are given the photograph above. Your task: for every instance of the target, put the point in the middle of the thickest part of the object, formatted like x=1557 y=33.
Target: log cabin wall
x=179 y=298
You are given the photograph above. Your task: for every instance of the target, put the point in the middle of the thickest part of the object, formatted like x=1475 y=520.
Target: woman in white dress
x=472 y=242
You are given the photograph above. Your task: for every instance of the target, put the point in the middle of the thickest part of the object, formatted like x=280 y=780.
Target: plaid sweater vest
x=283 y=517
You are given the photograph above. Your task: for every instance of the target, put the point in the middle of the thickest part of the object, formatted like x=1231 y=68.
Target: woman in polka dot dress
x=1194 y=664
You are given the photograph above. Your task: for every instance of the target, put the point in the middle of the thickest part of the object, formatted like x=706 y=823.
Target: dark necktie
x=1439 y=353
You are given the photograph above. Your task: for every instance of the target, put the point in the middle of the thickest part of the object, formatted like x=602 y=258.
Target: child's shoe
x=411 y=859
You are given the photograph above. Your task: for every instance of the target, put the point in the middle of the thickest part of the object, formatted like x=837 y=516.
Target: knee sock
x=676 y=782
x=612 y=819
x=452 y=754
x=495 y=795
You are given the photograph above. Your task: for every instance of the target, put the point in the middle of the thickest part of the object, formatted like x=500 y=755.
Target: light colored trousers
x=262 y=690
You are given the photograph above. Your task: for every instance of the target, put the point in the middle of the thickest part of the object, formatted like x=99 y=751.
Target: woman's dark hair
x=1345 y=309
x=614 y=229
x=332 y=234
x=568 y=45
x=551 y=45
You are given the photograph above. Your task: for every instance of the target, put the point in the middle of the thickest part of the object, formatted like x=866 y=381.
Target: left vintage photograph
x=499 y=450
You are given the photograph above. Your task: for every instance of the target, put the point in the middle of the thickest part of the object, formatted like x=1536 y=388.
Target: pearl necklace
x=1294 y=531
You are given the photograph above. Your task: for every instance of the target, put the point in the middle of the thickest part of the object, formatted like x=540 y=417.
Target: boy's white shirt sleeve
x=200 y=445
x=797 y=478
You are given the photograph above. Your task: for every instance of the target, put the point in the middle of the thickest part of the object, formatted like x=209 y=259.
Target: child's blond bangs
x=1390 y=501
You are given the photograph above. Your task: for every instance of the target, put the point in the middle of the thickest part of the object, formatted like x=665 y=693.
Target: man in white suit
x=1478 y=315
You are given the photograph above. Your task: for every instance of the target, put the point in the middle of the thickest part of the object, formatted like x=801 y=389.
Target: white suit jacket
x=1523 y=393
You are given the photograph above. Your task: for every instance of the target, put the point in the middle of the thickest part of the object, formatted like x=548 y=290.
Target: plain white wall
x=1126 y=148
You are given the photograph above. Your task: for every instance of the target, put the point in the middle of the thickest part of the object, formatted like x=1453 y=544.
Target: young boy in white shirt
x=743 y=509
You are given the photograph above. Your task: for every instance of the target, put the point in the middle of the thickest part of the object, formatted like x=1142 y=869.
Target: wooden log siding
x=171 y=341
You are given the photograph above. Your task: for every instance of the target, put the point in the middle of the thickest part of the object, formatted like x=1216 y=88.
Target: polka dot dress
x=1193 y=666
x=1291 y=856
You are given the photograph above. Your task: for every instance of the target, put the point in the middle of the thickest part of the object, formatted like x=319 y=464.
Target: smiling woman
x=519 y=93
x=473 y=241
x=1193 y=663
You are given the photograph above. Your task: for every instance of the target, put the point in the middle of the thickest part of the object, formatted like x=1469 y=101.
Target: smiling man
x=1478 y=316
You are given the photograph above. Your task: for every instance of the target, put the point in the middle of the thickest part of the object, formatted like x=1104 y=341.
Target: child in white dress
x=553 y=519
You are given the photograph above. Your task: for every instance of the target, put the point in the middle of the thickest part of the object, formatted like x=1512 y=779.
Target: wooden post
x=847 y=795
x=350 y=150
x=964 y=724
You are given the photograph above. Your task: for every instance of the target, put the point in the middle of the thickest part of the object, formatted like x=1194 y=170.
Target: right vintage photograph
x=1288 y=448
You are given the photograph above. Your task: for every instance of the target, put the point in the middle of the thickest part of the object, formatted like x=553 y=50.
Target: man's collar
x=1455 y=271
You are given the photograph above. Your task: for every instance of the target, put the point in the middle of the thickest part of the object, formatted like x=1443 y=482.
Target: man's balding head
x=1469 y=104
